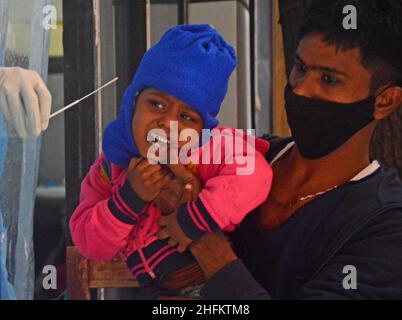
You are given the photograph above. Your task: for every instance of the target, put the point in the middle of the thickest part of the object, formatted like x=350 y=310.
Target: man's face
x=323 y=73
x=155 y=110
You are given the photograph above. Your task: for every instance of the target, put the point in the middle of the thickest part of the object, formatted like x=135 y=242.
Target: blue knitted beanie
x=192 y=63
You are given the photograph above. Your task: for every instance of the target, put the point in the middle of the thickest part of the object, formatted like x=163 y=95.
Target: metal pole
x=183 y=11
x=253 y=91
x=79 y=79
x=132 y=39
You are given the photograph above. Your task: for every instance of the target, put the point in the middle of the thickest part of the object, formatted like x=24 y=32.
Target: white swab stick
x=83 y=98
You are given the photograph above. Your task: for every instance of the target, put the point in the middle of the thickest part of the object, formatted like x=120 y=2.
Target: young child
x=183 y=78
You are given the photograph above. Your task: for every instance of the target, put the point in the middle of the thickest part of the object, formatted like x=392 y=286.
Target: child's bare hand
x=192 y=184
x=184 y=187
x=147 y=179
x=172 y=230
x=168 y=199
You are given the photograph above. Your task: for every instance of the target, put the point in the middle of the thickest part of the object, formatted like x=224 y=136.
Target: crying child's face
x=156 y=110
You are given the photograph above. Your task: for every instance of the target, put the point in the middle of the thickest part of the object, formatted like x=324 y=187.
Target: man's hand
x=172 y=230
x=212 y=252
x=25 y=101
x=147 y=179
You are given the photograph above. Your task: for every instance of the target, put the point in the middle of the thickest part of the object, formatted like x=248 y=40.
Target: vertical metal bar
x=132 y=39
x=107 y=60
x=263 y=66
x=79 y=77
x=270 y=73
x=253 y=91
x=147 y=24
x=183 y=11
x=98 y=74
x=244 y=111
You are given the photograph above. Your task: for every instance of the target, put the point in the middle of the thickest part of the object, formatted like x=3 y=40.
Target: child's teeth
x=156 y=138
x=163 y=140
x=151 y=137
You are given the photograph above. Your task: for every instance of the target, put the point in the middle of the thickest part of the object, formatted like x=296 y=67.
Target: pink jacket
x=111 y=218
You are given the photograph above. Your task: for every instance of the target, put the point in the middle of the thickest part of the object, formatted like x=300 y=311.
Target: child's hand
x=168 y=199
x=172 y=230
x=183 y=188
x=192 y=184
x=147 y=179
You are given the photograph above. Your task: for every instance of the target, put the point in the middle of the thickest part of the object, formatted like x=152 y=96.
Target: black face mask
x=320 y=127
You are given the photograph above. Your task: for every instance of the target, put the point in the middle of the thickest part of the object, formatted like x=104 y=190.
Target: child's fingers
x=173 y=242
x=134 y=163
x=187 y=193
x=181 y=248
x=163 y=182
x=162 y=222
x=179 y=170
x=150 y=171
x=145 y=165
x=158 y=175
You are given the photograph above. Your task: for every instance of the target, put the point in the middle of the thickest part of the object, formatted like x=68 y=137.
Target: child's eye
x=329 y=80
x=157 y=105
x=187 y=117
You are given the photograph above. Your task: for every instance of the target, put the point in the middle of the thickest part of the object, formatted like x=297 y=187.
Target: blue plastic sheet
x=6 y=289
x=24 y=43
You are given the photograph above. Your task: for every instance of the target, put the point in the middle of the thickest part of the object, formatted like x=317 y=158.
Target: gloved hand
x=24 y=100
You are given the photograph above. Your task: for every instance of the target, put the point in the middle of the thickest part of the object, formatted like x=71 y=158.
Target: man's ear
x=387 y=102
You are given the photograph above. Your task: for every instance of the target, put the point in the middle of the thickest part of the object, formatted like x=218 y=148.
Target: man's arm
x=227 y=276
x=375 y=253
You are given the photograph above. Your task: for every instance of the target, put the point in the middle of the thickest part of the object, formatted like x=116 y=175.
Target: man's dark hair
x=378 y=34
